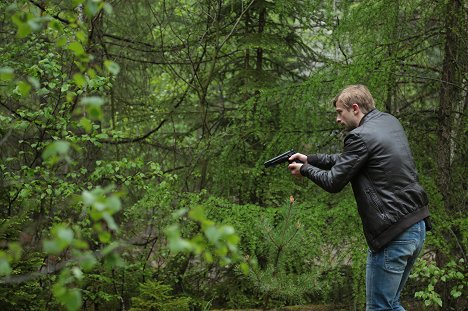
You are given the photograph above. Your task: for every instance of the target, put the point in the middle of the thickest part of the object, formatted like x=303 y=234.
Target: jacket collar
x=368 y=115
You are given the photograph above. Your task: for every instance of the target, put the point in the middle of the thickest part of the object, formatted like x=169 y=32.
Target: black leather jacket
x=377 y=161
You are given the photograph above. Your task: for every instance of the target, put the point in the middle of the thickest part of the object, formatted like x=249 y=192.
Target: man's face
x=347 y=118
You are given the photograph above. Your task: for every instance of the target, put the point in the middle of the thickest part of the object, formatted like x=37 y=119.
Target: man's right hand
x=294 y=167
x=298 y=156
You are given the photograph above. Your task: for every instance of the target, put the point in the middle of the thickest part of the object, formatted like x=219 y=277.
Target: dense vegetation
x=133 y=136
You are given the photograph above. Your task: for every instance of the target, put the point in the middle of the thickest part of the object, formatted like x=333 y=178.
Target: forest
x=133 y=136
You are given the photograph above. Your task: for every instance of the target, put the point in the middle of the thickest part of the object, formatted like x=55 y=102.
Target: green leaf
x=55 y=148
x=455 y=293
x=93 y=106
x=179 y=213
x=208 y=257
x=77 y=48
x=180 y=245
x=72 y=299
x=65 y=235
x=244 y=268
x=88 y=198
x=5 y=268
x=86 y=124
x=75 y=3
x=15 y=250
x=34 y=23
x=34 y=82
x=87 y=261
x=79 y=80
x=24 y=29
x=91 y=8
x=114 y=204
x=77 y=273
x=61 y=42
x=110 y=221
x=23 y=88
x=104 y=237
x=108 y=8
x=21 y=21
x=80 y=244
x=81 y=36
x=112 y=67
x=198 y=214
x=92 y=100
x=109 y=248
x=52 y=247
x=212 y=234
x=56 y=25
x=6 y=74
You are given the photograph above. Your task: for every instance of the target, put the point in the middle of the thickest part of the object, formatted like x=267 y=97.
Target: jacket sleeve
x=323 y=161
x=346 y=166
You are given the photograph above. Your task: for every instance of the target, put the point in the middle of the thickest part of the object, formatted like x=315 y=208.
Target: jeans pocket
x=397 y=254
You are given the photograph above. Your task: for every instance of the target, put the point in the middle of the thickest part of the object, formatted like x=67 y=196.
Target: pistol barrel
x=279 y=159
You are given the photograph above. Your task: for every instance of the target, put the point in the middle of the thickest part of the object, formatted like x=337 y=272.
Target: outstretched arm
x=346 y=166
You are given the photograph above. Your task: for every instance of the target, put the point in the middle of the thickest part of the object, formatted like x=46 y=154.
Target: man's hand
x=295 y=168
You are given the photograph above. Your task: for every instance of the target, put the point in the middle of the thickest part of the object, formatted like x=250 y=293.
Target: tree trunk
x=450 y=96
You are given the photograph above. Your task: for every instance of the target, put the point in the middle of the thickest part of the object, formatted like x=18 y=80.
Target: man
x=392 y=204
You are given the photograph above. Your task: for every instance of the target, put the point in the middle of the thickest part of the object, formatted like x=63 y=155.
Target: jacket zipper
x=375 y=202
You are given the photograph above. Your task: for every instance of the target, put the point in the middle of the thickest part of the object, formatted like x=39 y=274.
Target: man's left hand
x=295 y=168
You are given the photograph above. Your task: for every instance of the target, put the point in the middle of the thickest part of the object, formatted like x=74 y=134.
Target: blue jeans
x=388 y=269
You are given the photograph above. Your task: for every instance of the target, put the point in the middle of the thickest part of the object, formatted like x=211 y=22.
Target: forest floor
x=321 y=307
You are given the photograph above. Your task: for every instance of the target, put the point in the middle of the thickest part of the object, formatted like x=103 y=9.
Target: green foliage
x=157 y=297
x=131 y=131
x=452 y=273
x=213 y=242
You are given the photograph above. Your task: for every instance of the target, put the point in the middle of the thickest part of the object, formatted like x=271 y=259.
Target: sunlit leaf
x=110 y=221
x=52 y=247
x=112 y=67
x=77 y=48
x=15 y=250
x=93 y=106
x=244 y=268
x=81 y=36
x=212 y=234
x=5 y=268
x=114 y=203
x=77 y=273
x=75 y=3
x=79 y=80
x=92 y=100
x=88 y=198
x=23 y=88
x=24 y=29
x=34 y=82
x=72 y=299
x=86 y=124
x=61 y=41
x=109 y=248
x=65 y=235
x=6 y=74
x=180 y=245
x=104 y=237
x=87 y=261
x=58 y=147
x=91 y=8
x=108 y=8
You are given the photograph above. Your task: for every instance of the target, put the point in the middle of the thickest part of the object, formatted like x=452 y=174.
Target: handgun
x=281 y=159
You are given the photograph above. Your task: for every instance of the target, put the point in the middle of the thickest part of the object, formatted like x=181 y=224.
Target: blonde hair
x=356 y=94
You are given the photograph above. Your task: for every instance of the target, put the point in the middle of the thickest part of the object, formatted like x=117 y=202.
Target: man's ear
x=356 y=108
